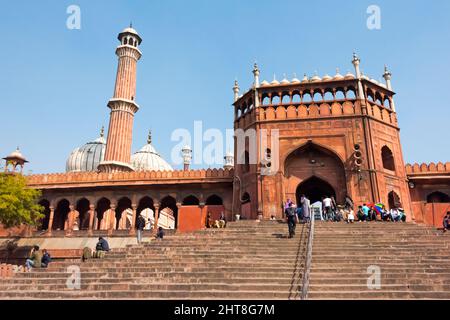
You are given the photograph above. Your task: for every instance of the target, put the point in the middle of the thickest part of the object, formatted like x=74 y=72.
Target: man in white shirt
x=395 y=215
x=326 y=203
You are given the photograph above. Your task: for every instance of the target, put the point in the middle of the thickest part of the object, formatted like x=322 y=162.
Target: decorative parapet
x=82 y=179
x=431 y=169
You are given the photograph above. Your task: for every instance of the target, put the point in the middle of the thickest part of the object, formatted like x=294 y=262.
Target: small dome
x=295 y=80
x=130 y=30
x=275 y=82
x=305 y=79
x=147 y=159
x=16 y=155
x=326 y=78
x=338 y=75
x=88 y=157
x=265 y=83
x=349 y=76
x=285 y=81
x=316 y=78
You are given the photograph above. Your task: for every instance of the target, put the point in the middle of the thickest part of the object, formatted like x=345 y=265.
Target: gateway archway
x=314 y=189
x=316 y=172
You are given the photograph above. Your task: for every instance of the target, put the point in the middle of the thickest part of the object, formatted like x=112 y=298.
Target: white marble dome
x=147 y=159
x=88 y=157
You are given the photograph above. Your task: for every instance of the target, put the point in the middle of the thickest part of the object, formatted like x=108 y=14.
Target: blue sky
x=55 y=82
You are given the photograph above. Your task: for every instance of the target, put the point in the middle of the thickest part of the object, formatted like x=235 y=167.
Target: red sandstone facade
x=318 y=133
x=333 y=136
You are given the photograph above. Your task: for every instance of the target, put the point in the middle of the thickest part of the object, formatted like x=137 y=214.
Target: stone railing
x=147 y=176
x=430 y=168
x=308 y=262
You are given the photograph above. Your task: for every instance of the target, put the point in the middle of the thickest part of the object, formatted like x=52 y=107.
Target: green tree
x=18 y=203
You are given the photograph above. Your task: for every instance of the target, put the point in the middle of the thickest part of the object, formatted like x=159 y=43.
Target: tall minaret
x=122 y=105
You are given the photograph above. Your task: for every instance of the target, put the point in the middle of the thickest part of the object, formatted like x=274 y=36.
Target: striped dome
x=147 y=159
x=88 y=157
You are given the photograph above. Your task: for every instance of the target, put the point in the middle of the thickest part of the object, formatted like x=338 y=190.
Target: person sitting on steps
x=35 y=259
x=46 y=258
x=101 y=247
x=446 y=222
x=360 y=214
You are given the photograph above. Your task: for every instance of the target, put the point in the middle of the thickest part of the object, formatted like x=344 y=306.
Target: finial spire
x=149 y=137
x=131 y=24
x=102 y=131
x=256 y=75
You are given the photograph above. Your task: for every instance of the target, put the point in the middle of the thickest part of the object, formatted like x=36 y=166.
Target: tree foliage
x=18 y=203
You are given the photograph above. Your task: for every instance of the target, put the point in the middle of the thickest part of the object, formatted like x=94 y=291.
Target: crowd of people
x=330 y=211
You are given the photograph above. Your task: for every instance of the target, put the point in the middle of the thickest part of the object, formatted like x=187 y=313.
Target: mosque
x=335 y=135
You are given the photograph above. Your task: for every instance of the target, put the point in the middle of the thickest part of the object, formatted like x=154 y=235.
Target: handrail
x=305 y=284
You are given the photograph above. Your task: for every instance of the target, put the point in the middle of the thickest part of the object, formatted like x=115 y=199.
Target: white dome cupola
x=147 y=159
x=88 y=157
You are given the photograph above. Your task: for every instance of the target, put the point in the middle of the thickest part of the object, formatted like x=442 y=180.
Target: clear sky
x=55 y=82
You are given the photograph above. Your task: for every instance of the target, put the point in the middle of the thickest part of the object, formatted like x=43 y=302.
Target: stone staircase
x=414 y=261
x=246 y=260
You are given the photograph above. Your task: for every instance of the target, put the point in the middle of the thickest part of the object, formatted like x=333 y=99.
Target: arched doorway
x=438 y=197
x=124 y=214
x=314 y=189
x=147 y=208
x=394 y=200
x=214 y=200
x=191 y=201
x=83 y=209
x=103 y=205
x=45 y=220
x=168 y=215
x=61 y=213
x=315 y=171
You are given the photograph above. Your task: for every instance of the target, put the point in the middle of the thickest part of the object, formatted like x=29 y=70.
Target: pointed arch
x=191 y=201
x=438 y=197
x=214 y=200
x=387 y=158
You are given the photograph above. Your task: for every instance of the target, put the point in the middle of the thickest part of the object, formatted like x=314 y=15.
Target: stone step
x=172 y=287
x=378 y=295
x=155 y=295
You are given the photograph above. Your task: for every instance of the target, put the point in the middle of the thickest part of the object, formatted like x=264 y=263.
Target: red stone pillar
x=91 y=219
x=156 y=218
x=112 y=219
x=50 y=221
x=179 y=205
x=133 y=220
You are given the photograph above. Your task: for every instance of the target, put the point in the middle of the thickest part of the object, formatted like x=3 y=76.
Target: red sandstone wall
x=434 y=213
x=190 y=218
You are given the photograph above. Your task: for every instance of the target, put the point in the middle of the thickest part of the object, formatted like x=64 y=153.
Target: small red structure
x=14 y=160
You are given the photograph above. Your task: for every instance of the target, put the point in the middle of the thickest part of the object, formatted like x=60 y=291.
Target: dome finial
x=102 y=132
x=131 y=24
x=149 y=137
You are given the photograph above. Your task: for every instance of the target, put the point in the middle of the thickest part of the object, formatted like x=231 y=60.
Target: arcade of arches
x=108 y=214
